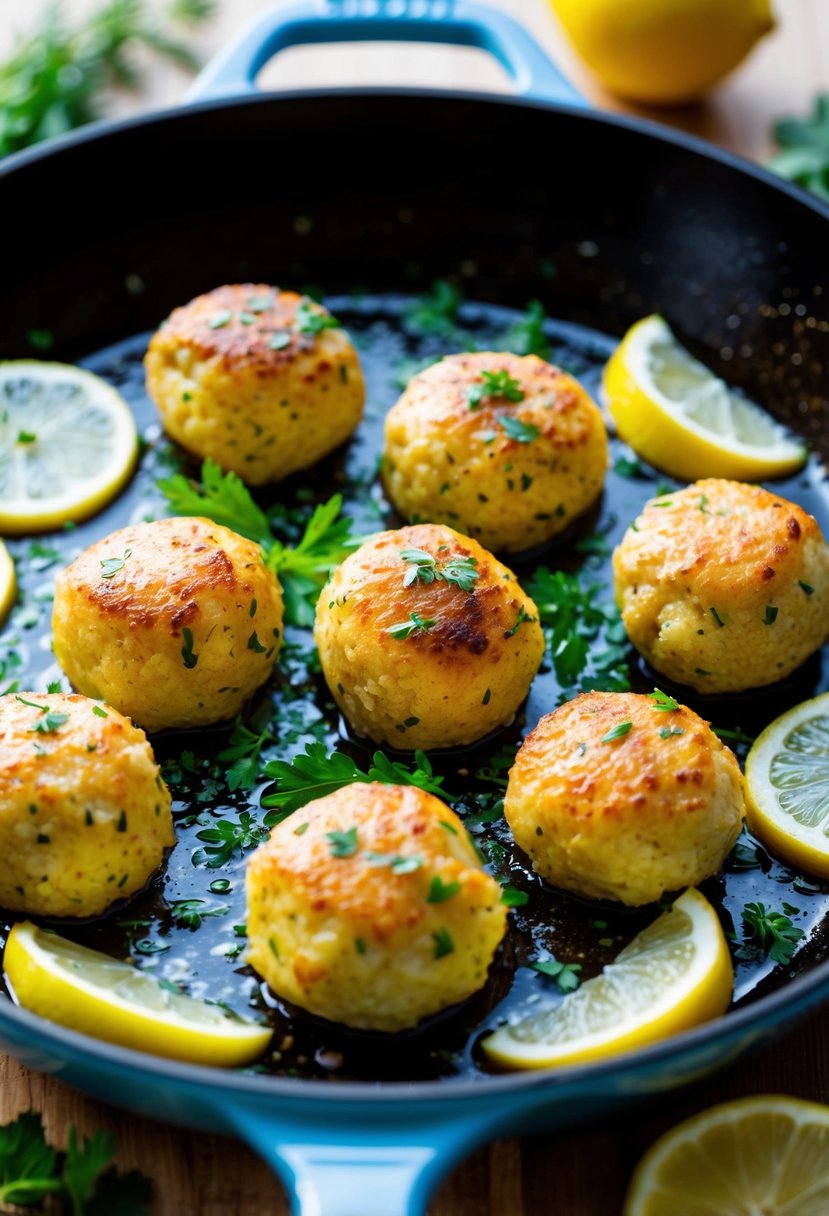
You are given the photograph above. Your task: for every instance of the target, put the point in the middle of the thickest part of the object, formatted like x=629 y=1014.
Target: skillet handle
x=454 y=22
x=354 y=1168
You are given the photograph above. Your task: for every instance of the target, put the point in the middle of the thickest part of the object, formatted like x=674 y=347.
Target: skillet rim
x=764 y=1014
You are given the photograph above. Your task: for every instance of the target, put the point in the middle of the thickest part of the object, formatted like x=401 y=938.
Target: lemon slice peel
x=675 y=974
x=676 y=414
x=68 y=445
x=112 y=1000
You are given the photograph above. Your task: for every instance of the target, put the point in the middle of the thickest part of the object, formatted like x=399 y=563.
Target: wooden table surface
x=583 y=1174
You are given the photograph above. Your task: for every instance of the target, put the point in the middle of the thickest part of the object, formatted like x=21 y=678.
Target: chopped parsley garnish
x=807 y=588
x=663 y=702
x=316 y=773
x=768 y=933
x=309 y=318
x=440 y=891
x=625 y=467
x=523 y=616
x=226 y=837
x=443 y=943
x=255 y=645
x=494 y=384
x=50 y=719
x=566 y=975
x=220 y=319
x=279 y=341
x=257 y=304
x=111 y=565
x=26 y=437
x=460 y=571
x=717 y=617
x=99 y=711
x=188 y=657
x=511 y=897
x=415 y=624
x=515 y=428
x=343 y=844
x=573 y=617
x=666 y=732
x=617 y=732
x=771 y=614
x=243 y=750
x=191 y=913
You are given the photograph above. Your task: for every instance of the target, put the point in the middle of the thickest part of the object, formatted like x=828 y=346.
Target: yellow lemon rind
x=707 y=997
x=44 y=987
x=677 y=444
x=21 y=515
x=8 y=583
x=806 y=848
x=656 y=1190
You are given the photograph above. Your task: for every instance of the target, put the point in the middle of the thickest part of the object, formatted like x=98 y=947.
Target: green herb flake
x=220 y=319
x=515 y=428
x=279 y=341
x=188 y=657
x=663 y=702
x=112 y=565
x=494 y=384
x=807 y=588
x=99 y=711
x=440 y=891
x=717 y=617
x=617 y=732
x=343 y=844
x=522 y=618
x=311 y=318
x=771 y=614
x=486 y=697
x=255 y=645
x=443 y=943
x=415 y=624
x=566 y=975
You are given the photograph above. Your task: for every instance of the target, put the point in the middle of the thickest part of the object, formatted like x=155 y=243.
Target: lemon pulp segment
x=787 y=786
x=68 y=444
x=673 y=975
x=766 y=1154
x=112 y=1000
x=682 y=418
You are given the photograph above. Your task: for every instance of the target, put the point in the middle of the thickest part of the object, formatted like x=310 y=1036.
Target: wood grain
x=584 y=1173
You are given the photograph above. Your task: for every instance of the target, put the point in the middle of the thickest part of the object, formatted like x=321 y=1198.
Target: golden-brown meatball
x=263 y=381
x=84 y=814
x=723 y=586
x=507 y=449
x=370 y=907
x=615 y=798
x=426 y=640
x=176 y=622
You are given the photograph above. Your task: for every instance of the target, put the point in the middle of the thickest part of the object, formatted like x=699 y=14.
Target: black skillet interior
x=600 y=223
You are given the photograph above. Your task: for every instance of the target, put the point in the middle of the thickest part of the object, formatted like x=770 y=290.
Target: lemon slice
x=680 y=417
x=768 y=1154
x=112 y=1000
x=67 y=445
x=673 y=975
x=8 y=583
x=787 y=786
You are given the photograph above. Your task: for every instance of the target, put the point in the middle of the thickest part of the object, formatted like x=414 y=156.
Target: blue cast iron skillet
x=109 y=228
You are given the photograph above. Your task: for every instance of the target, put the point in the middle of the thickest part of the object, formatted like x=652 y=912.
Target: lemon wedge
x=767 y=1154
x=8 y=583
x=68 y=444
x=112 y=1000
x=679 y=416
x=787 y=786
x=673 y=975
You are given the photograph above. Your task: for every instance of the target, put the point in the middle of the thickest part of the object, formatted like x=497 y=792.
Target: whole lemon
x=664 y=52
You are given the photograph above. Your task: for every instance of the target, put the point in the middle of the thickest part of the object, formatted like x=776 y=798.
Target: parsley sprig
x=494 y=384
x=54 y=79
x=415 y=624
x=227 y=838
x=302 y=568
x=804 y=144
x=573 y=617
x=31 y=1171
x=424 y=568
x=527 y=337
x=243 y=751
x=768 y=932
x=318 y=772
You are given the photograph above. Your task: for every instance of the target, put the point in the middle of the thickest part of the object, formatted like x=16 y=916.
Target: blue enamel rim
x=786 y=1004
